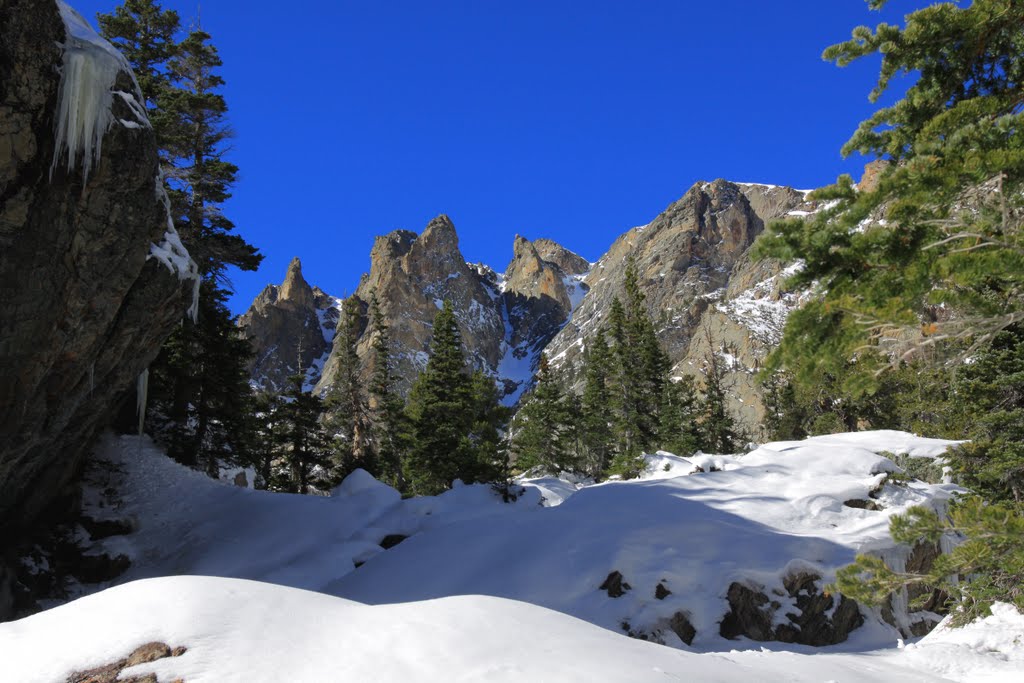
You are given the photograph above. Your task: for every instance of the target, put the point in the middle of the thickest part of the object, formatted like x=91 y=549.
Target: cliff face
x=702 y=289
x=291 y=327
x=92 y=276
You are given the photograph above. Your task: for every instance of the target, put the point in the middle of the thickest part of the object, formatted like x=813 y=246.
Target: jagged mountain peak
x=295 y=289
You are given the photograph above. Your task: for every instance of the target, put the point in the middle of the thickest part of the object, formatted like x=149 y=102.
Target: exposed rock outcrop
x=505 y=320
x=702 y=288
x=88 y=261
x=291 y=327
x=816 y=619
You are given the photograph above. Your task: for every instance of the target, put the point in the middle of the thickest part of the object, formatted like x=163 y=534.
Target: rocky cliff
x=92 y=275
x=291 y=327
x=703 y=289
x=505 y=320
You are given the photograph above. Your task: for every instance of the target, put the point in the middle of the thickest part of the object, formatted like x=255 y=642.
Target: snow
x=89 y=68
x=237 y=631
x=483 y=590
x=172 y=253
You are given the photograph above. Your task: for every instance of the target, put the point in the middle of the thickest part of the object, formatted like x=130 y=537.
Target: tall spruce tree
x=680 y=430
x=347 y=403
x=543 y=429
x=300 y=435
x=441 y=413
x=596 y=416
x=718 y=427
x=194 y=385
x=386 y=406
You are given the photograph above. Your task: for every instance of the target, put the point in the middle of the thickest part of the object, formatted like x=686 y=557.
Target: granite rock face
x=505 y=320
x=703 y=290
x=291 y=326
x=85 y=309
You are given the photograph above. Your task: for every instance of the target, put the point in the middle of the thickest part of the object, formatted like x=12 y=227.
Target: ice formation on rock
x=89 y=69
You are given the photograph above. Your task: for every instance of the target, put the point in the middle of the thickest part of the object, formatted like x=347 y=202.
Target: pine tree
x=346 y=401
x=198 y=397
x=543 y=431
x=935 y=251
x=145 y=33
x=680 y=431
x=987 y=566
x=301 y=438
x=386 y=407
x=718 y=427
x=441 y=413
x=595 y=431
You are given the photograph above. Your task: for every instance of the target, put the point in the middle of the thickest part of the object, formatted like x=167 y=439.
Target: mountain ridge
x=703 y=290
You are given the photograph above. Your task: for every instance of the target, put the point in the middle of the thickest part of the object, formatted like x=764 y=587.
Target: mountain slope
x=703 y=290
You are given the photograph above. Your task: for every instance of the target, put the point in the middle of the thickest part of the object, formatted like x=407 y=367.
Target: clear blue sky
x=573 y=120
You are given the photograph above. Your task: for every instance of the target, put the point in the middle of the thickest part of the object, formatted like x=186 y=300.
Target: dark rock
x=861 y=504
x=615 y=586
x=752 y=614
x=748 y=615
x=84 y=310
x=660 y=592
x=391 y=540
x=100 y=568
x=105 y=528
x=681 y=626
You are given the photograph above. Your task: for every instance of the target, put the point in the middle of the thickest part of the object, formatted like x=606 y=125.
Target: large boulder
x=92 y=275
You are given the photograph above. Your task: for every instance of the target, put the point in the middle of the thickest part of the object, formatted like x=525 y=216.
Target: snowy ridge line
x=89 y=68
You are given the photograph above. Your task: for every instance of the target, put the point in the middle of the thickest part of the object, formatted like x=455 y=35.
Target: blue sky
x=573 y=120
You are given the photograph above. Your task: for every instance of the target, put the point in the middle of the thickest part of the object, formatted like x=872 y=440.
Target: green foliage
x=986 y=566
x=718 y=430
x=680 y=431
x=595 y=422
x=936 y=250
x=201 y=400
x=347 y=406
x=300 y=437
x=454 y=418
x=544 y=434
x=386 y=406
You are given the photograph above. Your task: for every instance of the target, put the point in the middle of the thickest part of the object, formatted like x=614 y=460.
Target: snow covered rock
x=85 y=306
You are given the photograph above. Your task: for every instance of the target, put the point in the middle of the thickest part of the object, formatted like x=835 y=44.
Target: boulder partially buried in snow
x=92 y=276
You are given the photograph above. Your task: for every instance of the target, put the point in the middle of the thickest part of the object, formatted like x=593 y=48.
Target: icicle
x=89 y=68
x=141 y=395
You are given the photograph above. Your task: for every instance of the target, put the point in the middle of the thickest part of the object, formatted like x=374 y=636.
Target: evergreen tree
x=718 y=427
x=596 y=416
x=441 y=414
x=935 y=251
x=199 y=401
x=987 y=566
x=386 y=406
x=300 y=435
x=680 y=431
x=145 y=34
x=543 y=431
x=348 y=406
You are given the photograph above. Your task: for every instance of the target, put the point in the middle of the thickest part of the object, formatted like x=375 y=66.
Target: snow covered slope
x=245 y=631
x=759 y=520
x=483 y=590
